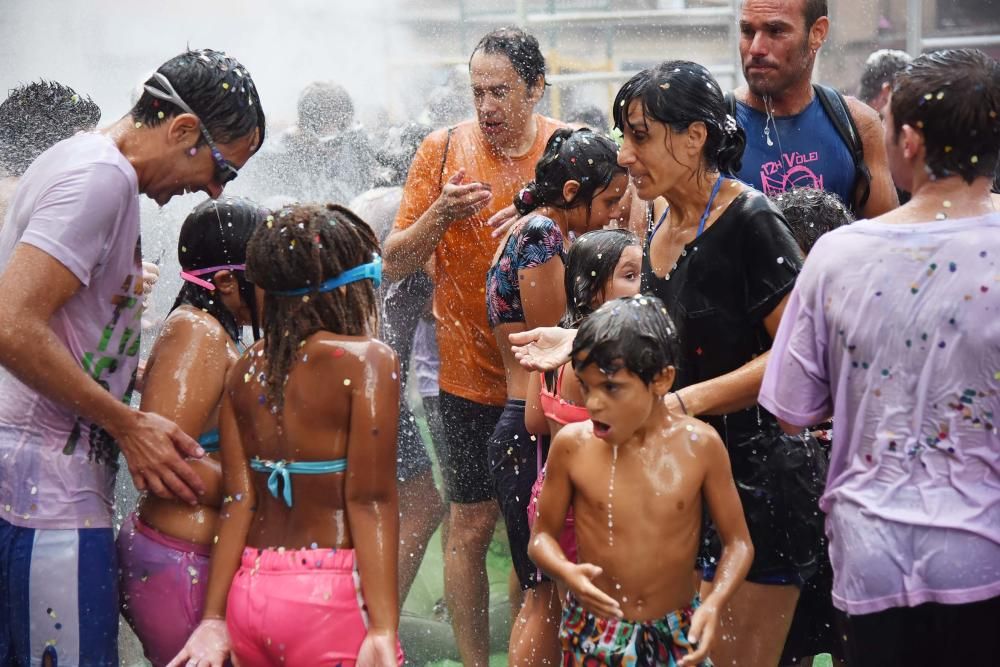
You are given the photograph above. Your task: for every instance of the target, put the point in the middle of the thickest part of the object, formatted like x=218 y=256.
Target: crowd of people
x=734 y=403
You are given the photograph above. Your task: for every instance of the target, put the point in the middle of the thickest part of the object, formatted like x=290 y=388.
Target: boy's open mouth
x=600 y=428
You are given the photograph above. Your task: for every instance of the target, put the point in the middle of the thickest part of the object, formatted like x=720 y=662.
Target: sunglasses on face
x=225 y=171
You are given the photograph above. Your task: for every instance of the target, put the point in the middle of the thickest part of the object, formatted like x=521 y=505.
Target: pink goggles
x=192 y=276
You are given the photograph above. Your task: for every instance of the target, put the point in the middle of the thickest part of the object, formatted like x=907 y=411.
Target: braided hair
x=303 y=245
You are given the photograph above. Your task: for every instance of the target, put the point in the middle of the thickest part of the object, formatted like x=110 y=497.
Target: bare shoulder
x=702 y=439
x=192 y=324
x=867 y=119
x=186 y=332
x=573 y=438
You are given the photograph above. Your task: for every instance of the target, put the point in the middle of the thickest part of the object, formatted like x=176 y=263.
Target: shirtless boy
x=635 y=476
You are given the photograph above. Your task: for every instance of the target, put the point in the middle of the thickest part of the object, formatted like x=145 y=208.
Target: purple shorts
x=162 y=582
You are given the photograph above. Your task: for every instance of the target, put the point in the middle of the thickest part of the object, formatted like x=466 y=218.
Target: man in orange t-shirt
x=459 y=178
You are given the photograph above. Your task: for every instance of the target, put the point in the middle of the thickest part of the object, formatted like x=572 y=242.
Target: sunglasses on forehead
x=225 y=171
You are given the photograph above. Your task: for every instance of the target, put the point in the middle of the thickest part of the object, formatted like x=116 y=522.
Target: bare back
x=340 y=402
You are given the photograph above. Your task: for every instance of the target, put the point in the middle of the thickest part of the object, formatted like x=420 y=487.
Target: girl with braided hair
x=304 y=569
x=578 y=187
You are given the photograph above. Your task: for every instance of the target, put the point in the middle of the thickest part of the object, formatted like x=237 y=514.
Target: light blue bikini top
x=280 y=471
x=209 y=440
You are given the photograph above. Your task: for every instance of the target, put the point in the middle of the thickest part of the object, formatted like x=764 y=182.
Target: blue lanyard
x=704 y=216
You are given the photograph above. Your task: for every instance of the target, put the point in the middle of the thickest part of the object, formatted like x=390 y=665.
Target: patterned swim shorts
x=589 y=640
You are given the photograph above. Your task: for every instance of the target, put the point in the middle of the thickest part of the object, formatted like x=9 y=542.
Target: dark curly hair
x=301 y=246
x=35 y=117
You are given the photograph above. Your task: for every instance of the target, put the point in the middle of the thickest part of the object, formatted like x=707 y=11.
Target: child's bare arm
x=534 y=418
x=370 y=486
x=209 y=643
x=719 y=491
x=553 y=503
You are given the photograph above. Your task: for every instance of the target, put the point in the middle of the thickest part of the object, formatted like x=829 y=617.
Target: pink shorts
x=297 y=607
x=162 y=582
x=567 y=539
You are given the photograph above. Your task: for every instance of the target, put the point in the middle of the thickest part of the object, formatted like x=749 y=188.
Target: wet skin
x=341 y=400
x=665 y=464
x=184 y=379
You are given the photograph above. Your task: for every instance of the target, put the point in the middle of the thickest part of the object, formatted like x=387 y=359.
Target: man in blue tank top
x=791 y=139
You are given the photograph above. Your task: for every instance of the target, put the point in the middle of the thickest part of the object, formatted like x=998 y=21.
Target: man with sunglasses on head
x=71 y=278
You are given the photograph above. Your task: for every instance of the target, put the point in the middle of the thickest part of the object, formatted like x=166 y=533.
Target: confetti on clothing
x=895 y=330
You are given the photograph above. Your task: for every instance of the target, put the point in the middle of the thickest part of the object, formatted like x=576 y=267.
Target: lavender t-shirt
x=78 y=203
x=895 y=331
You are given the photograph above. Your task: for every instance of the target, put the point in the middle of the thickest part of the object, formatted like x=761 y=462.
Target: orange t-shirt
x=471 y=367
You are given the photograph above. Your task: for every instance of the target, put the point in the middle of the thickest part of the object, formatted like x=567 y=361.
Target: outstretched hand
x=580 y=583
x=459 y=200
x=704 y=623
x=544 y=348
x=208 y=646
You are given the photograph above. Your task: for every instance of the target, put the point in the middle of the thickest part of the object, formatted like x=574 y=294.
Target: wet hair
x=583 y=156
x=216 y=87
x=880 y=68
x=324 y=104
x=678 y=93
x=590 y=264
x=216 y=233
x=634 y=333
x=303 y=245
x=38 y=115
x=521 y=49
x=813 y=10
x=953 y=98
x=811 y=213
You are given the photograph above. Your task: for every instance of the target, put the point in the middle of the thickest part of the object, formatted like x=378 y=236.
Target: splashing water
x=611 y=494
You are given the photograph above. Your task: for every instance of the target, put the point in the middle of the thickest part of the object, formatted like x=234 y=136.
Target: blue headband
x=371 y=271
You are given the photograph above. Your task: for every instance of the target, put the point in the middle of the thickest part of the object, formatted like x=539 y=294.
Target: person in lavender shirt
x=893 y=328
x=72 y=286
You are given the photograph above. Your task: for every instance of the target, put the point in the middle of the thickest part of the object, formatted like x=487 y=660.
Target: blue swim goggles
x=370 y=271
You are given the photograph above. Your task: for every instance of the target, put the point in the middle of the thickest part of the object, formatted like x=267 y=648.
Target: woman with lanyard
x=723 y=261
x=163 y=548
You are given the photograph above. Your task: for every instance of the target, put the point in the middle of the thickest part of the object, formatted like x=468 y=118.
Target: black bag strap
x=836 y=109
x=444 y=157
x=730 y=98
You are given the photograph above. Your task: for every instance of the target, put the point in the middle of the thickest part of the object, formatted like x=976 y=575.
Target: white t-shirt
x=78 y=202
